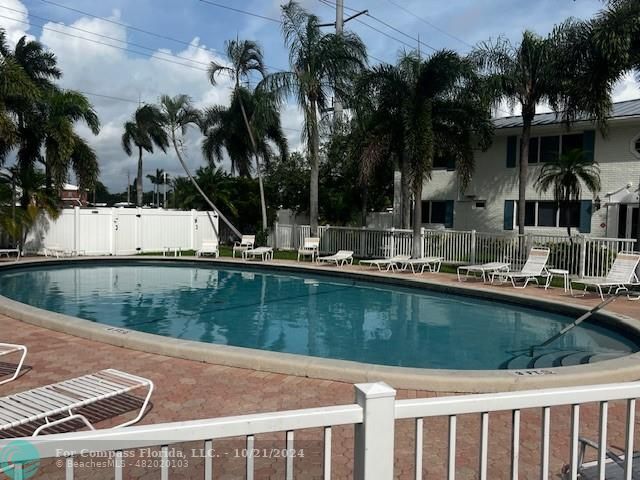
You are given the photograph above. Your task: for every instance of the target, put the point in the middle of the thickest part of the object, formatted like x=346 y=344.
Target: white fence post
x=392 y=243
x=583 y=256
x=422 y=233
x=76 y=228
x=194 y=227
x=374 y=437
x=472 y=248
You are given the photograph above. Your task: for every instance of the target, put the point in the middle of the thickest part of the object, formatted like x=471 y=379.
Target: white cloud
x=17 y=28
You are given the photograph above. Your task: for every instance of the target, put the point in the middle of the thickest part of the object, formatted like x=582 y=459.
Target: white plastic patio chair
x=246 y=243
x=9 y=349
x=620 y=277
x=208 y=247
x=486 y=270
x=614 y=468
x=418 y=265
x=534 y=267
x=10 y=251
x=310 y=248
x=63 y=398
x=340 y=258
x=386 y=264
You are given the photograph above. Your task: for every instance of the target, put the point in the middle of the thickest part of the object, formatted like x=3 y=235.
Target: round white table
x=558 y=272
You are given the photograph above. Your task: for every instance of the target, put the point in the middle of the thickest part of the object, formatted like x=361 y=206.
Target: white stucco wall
x=495 y=183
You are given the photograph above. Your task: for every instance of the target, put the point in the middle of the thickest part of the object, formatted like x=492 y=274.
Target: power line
x=244 y=12
x=44 y=27
x=427 y=22
x=142 y=30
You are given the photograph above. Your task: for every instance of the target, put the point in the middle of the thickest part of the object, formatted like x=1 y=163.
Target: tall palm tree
x=321 y=63
x=566 y=70
x=565 y=175
x=245 y=57
x=178 y=114
x=144 y=131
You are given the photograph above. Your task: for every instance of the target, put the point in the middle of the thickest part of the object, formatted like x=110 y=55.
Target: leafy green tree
x=287 y=182
x=144 y=132
x=565 y=176
x=321 y=63
x=156 y=180
x=245 y=57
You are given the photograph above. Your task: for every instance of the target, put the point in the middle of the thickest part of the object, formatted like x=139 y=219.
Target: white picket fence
x=582 y=256
x=374 y=416
x=123 y=231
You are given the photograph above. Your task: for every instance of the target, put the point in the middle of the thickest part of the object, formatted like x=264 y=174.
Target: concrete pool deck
x=623 y=315
x=187 y=390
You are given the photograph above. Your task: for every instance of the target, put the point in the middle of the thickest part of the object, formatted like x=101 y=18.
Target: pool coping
x=625 y=368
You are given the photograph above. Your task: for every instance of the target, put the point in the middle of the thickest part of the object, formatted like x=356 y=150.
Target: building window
x=571 y=142
x=480 y=204
x=438 y=212
x=545 y=213
x=547 y=149
x=635 y=146
x=534 y=150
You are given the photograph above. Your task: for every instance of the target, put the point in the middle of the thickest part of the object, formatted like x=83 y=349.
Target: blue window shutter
x=585 y=216
x=509 y=206
x=589 y=143
x=448 y=214
x=512 y=151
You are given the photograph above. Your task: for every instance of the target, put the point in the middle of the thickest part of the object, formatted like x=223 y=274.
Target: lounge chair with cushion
x=10 y=349
x=534 y=267
x=418 y=265
x=309 y=248
x=386 y=264
x=340 y=258
x=246 y=243
x=486 y=270
x=620 y=277
x=57 y=403
x=209 y=247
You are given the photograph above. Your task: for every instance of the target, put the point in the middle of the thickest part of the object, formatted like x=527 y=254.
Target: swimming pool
x=317 y=316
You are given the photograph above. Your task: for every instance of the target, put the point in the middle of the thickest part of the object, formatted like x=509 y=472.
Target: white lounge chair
x=485 y=270
x=340 y=258
x=10 y=251
x=208 y=247
x=614 y=463
x=419 y=264
x=9 y=349
x=65 y=397
x=621 y=275
x=534 y=267
x=310 y=247
x=265 y=253
x=386 y=264
x=246 y=243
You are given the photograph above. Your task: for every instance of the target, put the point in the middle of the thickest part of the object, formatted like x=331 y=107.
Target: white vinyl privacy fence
x=582 y=256
x=374 y=416
x=123 y=231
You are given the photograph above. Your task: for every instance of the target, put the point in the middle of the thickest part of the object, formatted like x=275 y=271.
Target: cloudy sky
x=120 y=52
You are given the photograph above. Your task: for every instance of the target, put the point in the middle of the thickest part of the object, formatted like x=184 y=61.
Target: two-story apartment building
x=490 y=202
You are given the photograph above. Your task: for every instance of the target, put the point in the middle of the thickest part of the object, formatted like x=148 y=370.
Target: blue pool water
x=321 y=316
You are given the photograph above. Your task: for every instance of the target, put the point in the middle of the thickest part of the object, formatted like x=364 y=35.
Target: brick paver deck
x=187 y=390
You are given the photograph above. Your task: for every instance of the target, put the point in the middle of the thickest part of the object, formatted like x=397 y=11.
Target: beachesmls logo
x=19 y=449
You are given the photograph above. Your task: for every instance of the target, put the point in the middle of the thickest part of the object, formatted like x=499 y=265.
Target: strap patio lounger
x=10 y=251
x=340 y=258
x=419 y=264
x=310 y=247
x=614 y=464
x=485 y=270
x=209 y=247
x=63 y=398
x=246 y=243
x=265 y=253
x=390 y=263
x=534 y=267
x=9 y=349
x=621 y=275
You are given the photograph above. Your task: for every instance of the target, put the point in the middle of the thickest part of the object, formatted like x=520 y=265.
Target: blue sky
x=102 y=70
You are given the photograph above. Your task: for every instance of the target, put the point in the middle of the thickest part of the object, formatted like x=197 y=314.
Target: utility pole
x=128 y=187
x=337 y=104
x=164 y=195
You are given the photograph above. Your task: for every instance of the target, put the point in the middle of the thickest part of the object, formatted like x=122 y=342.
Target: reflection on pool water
x=321 y=316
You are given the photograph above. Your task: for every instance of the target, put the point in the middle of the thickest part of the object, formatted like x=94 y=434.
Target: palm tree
x=245 y=57
x=144 y=131
x=178 y=114
x=566 y=70
x=565 y=175
x=320 y=63
x=156 y=180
